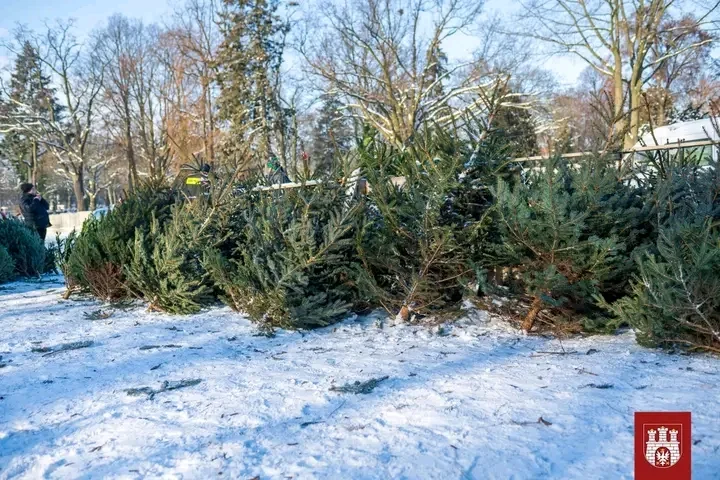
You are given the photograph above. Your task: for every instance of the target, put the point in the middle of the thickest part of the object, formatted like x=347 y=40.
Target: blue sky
x=90 y=14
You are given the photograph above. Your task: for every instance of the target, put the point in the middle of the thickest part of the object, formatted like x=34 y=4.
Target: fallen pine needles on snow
x=48 y=351
x=97 y=315
x=153 y=347
x=165 y=387
x=540 y=421
x=359 y=387
x=601 y=386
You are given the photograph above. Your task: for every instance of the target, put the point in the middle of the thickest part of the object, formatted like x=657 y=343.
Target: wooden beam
x=283 y=186
x=564 y=155
x=360 y=182
x=363 y=186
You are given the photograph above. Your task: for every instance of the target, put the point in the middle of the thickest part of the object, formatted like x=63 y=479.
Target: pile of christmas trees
x=580 y=246
x=22 y=253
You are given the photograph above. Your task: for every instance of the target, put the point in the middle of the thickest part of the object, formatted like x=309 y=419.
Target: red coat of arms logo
x=662 y=445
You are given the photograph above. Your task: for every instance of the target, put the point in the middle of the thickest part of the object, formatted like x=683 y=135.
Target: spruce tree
x=515 y=125
x=675 y=299
x=435 y=72
x=560 y=239
x=292 y=261
x=413 y=246
x=331 y=135
x=24 y=246
x=104 y=246
x=164 y=267
x=30 y=92
x=7 y=265
x=248 y=62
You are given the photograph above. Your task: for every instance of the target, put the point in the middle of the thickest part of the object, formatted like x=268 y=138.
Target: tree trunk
x=618 y=103
x=211 y=121
x=532 y=314
x=635 y=94
x=635 y=105
x=79 y=191
x=129 y=151
x=208 y=121
x=404 y=313
x=33 y=164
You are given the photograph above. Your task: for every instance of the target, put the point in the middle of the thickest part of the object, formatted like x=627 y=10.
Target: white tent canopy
x=683 y=132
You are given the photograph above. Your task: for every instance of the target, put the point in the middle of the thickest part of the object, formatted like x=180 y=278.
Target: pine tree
x=104 y=246
x=7 y=265
x=515 y=125
x=434 y=78
x=30 y=92
x=413 y=245
x=435 y=72
x=675 y=299
x=293 y=263
x=164 y=266
x=558 y=237
x=331 y=135
x=24 y=246
x=249 y=61
x=487 y=157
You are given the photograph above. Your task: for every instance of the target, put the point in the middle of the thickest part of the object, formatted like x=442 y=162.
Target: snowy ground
x=459 y=404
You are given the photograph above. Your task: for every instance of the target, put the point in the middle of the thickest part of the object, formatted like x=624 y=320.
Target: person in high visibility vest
x=202 y=180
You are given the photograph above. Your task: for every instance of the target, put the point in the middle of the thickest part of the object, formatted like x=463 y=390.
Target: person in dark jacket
x=277 y=172
x=34 y=209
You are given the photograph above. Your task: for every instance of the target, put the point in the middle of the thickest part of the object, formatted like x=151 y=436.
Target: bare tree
x=581 y=119
x=386 y=58
x=195 y=37
x=79 y=75
x=99 y=174
x=678 y=76
x=619 y=39
x=118 y=44
x=147 y=75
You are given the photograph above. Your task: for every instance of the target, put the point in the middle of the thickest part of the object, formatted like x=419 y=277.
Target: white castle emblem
x=659 y=451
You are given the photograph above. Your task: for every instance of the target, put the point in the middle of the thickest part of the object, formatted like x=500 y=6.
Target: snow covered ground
x=461 y=403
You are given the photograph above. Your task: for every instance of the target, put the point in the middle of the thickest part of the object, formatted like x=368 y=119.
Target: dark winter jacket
x=279 y=176
x=35 y=211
